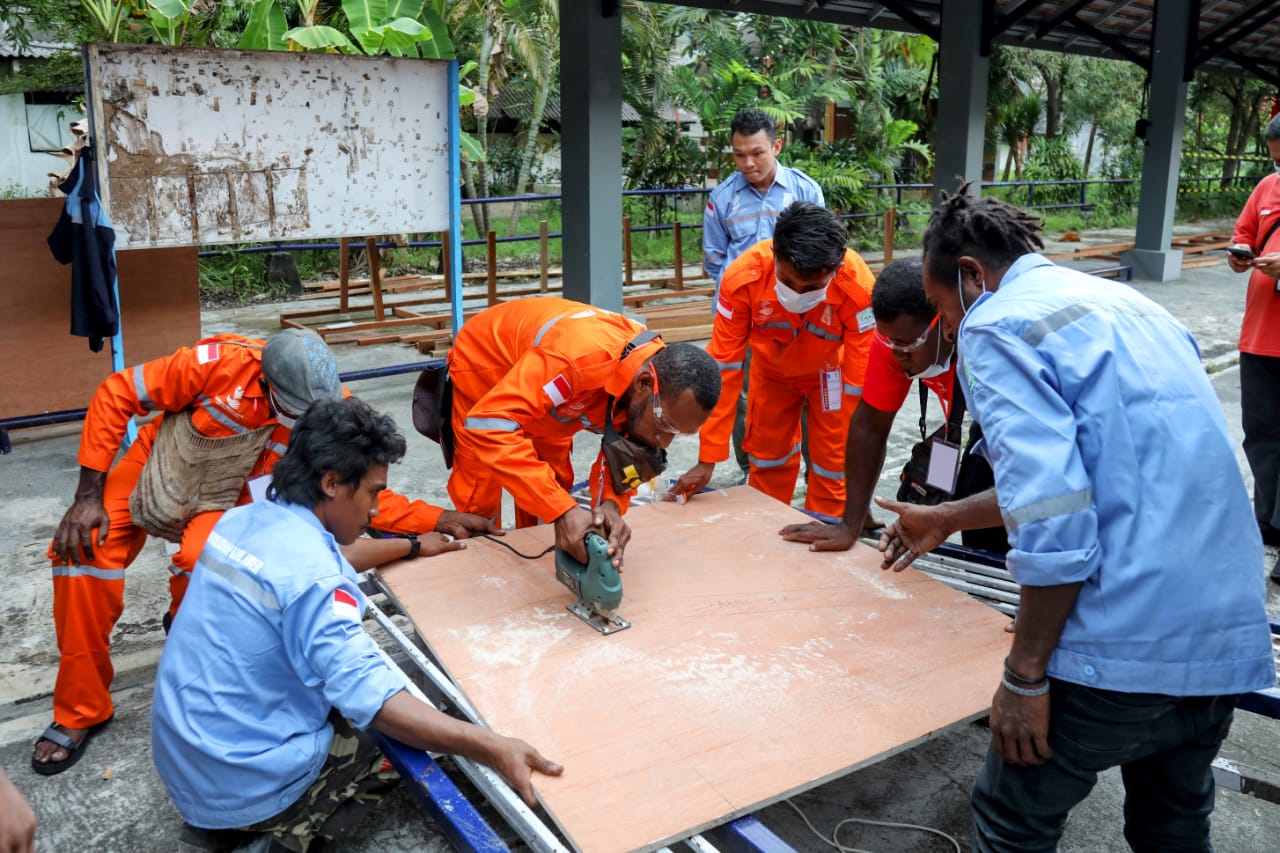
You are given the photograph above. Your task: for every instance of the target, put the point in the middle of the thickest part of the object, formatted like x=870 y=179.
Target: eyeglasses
x=659 y=418
x=913 y=346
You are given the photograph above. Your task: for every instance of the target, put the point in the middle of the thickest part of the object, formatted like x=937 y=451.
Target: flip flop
x=62 y=739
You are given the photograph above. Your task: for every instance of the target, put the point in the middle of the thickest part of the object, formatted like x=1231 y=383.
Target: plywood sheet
x=754 y=668
x=215 y=146
x=48 y=370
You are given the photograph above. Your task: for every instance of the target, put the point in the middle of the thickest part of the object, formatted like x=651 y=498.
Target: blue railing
x=898 y=191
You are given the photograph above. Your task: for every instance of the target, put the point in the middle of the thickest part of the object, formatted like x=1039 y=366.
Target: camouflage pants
x=352 y=778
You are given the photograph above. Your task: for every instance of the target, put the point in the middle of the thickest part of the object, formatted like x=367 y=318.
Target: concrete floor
x=130 y=811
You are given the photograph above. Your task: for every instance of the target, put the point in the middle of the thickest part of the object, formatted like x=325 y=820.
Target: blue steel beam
x=466 y=828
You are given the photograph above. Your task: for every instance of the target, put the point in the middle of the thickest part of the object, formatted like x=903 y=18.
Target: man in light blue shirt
x=1142 y=611
x=268 y=660
x=742 y=210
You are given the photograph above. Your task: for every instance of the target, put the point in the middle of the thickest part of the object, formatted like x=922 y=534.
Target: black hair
x=751 y=122
x=1273 y=129
x=810 y=237
x=345 y=436
x=681 y=366
x=900 y=290
x=995 y=232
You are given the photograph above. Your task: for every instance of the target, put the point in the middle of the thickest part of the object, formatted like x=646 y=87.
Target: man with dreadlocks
x=1131 y=533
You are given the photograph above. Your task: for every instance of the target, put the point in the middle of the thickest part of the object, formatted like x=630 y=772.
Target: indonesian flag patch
x=711 y=207
x=344 y=605
x=723 y=308
x=558 y=389
x=206 y=353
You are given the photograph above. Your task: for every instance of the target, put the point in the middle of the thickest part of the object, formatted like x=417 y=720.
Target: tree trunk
x=482 y=120
x=1052 y=106
x=469 y=181
x=1008 y=163
x=1088 y=151
x=531 y=141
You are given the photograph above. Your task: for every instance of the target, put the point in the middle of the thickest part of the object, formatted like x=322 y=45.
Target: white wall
x=19 y=165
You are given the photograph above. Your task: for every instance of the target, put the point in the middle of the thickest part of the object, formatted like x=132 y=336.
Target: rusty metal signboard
x=199 y=146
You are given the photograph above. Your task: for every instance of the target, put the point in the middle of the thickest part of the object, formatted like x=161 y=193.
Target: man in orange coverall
x=228 y=386
x=803 y=302
x=529 y=374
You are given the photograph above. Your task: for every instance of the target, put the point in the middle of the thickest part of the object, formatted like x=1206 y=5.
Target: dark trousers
x=1162 y=744
x=1260 y=417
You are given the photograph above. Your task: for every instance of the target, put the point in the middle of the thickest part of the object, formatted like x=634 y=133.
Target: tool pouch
x=188 y=473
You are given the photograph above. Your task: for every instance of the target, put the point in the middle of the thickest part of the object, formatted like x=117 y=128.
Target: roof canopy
x=1231 y=36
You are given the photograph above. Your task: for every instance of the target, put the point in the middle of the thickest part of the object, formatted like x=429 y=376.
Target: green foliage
x=661 y=158
x=1051 y=160
x=60 y=71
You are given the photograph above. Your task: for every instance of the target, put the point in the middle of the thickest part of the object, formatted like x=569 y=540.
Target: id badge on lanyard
x=944 y=466
x=830 y=381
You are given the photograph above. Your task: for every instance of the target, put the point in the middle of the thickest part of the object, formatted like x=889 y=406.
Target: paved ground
x=83 y=810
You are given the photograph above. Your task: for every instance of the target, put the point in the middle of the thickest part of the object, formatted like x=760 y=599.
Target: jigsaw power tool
x=596 y=585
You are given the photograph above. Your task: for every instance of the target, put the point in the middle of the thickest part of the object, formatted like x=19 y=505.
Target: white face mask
x=960 y=291
x=934 y=369
x=1276 y=166
x=798 y=303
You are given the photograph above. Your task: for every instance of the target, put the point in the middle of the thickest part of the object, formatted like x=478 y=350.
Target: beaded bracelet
x=1022 y=691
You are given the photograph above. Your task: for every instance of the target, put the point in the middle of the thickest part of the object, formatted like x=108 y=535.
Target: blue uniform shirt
x=269 y=638
x=1114 y=469
x=738 y=216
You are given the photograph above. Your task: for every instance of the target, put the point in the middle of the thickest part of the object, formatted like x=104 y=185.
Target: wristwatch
x=415 y=546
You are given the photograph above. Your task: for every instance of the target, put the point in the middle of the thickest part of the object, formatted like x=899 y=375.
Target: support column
x=1152 y=259
x=591 y=150
x=962 y=96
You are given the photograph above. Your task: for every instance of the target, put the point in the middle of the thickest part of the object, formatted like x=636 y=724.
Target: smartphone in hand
x=1242 y=254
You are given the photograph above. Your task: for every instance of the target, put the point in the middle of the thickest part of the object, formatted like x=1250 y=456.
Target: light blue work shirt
x=738 y=215
x=268 y=640
x=1114 y=469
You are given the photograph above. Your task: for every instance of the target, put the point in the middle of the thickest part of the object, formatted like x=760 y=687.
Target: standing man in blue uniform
x=742 y=210
x=1142 y=611
x=268 y=679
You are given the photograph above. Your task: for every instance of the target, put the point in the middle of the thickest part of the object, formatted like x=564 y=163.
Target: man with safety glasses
x=528 y=375
x=802 y=301
x=908 y=345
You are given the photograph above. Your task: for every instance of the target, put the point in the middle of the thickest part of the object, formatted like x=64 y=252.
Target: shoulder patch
x=559 y=390
x=344 y=605
x=866 y=320
x=723 y=308
x=206 y=353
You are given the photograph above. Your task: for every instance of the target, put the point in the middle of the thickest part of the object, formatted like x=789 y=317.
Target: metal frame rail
x=461 y=822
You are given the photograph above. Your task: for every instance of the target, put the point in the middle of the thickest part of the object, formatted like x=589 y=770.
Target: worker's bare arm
x=421 y=726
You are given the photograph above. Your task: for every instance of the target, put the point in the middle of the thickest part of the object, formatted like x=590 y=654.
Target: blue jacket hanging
x=85 y=239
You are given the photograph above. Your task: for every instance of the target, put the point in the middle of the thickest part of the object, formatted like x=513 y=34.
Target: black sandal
x=74 y=750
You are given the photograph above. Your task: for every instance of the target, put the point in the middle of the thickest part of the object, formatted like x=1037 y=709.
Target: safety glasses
x=913 y=346
x=659 y=418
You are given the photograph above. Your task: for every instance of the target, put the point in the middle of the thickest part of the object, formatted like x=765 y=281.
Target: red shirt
x=887 y=385
x=1260 y=330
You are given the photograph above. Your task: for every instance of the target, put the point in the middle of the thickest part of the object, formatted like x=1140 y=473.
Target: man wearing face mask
x=908 y=345
x=802 y=301
x=228 y=405
x=1141 y=617
x=529 y=374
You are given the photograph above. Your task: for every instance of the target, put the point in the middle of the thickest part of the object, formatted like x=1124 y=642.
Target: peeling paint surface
x=201 y=146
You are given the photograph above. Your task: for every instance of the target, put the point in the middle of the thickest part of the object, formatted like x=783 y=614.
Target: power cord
x=834 y=840
x=512 y=549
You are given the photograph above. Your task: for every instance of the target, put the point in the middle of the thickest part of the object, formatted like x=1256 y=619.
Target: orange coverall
x=819 y=356
x=527 y=376
x=218 y=380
